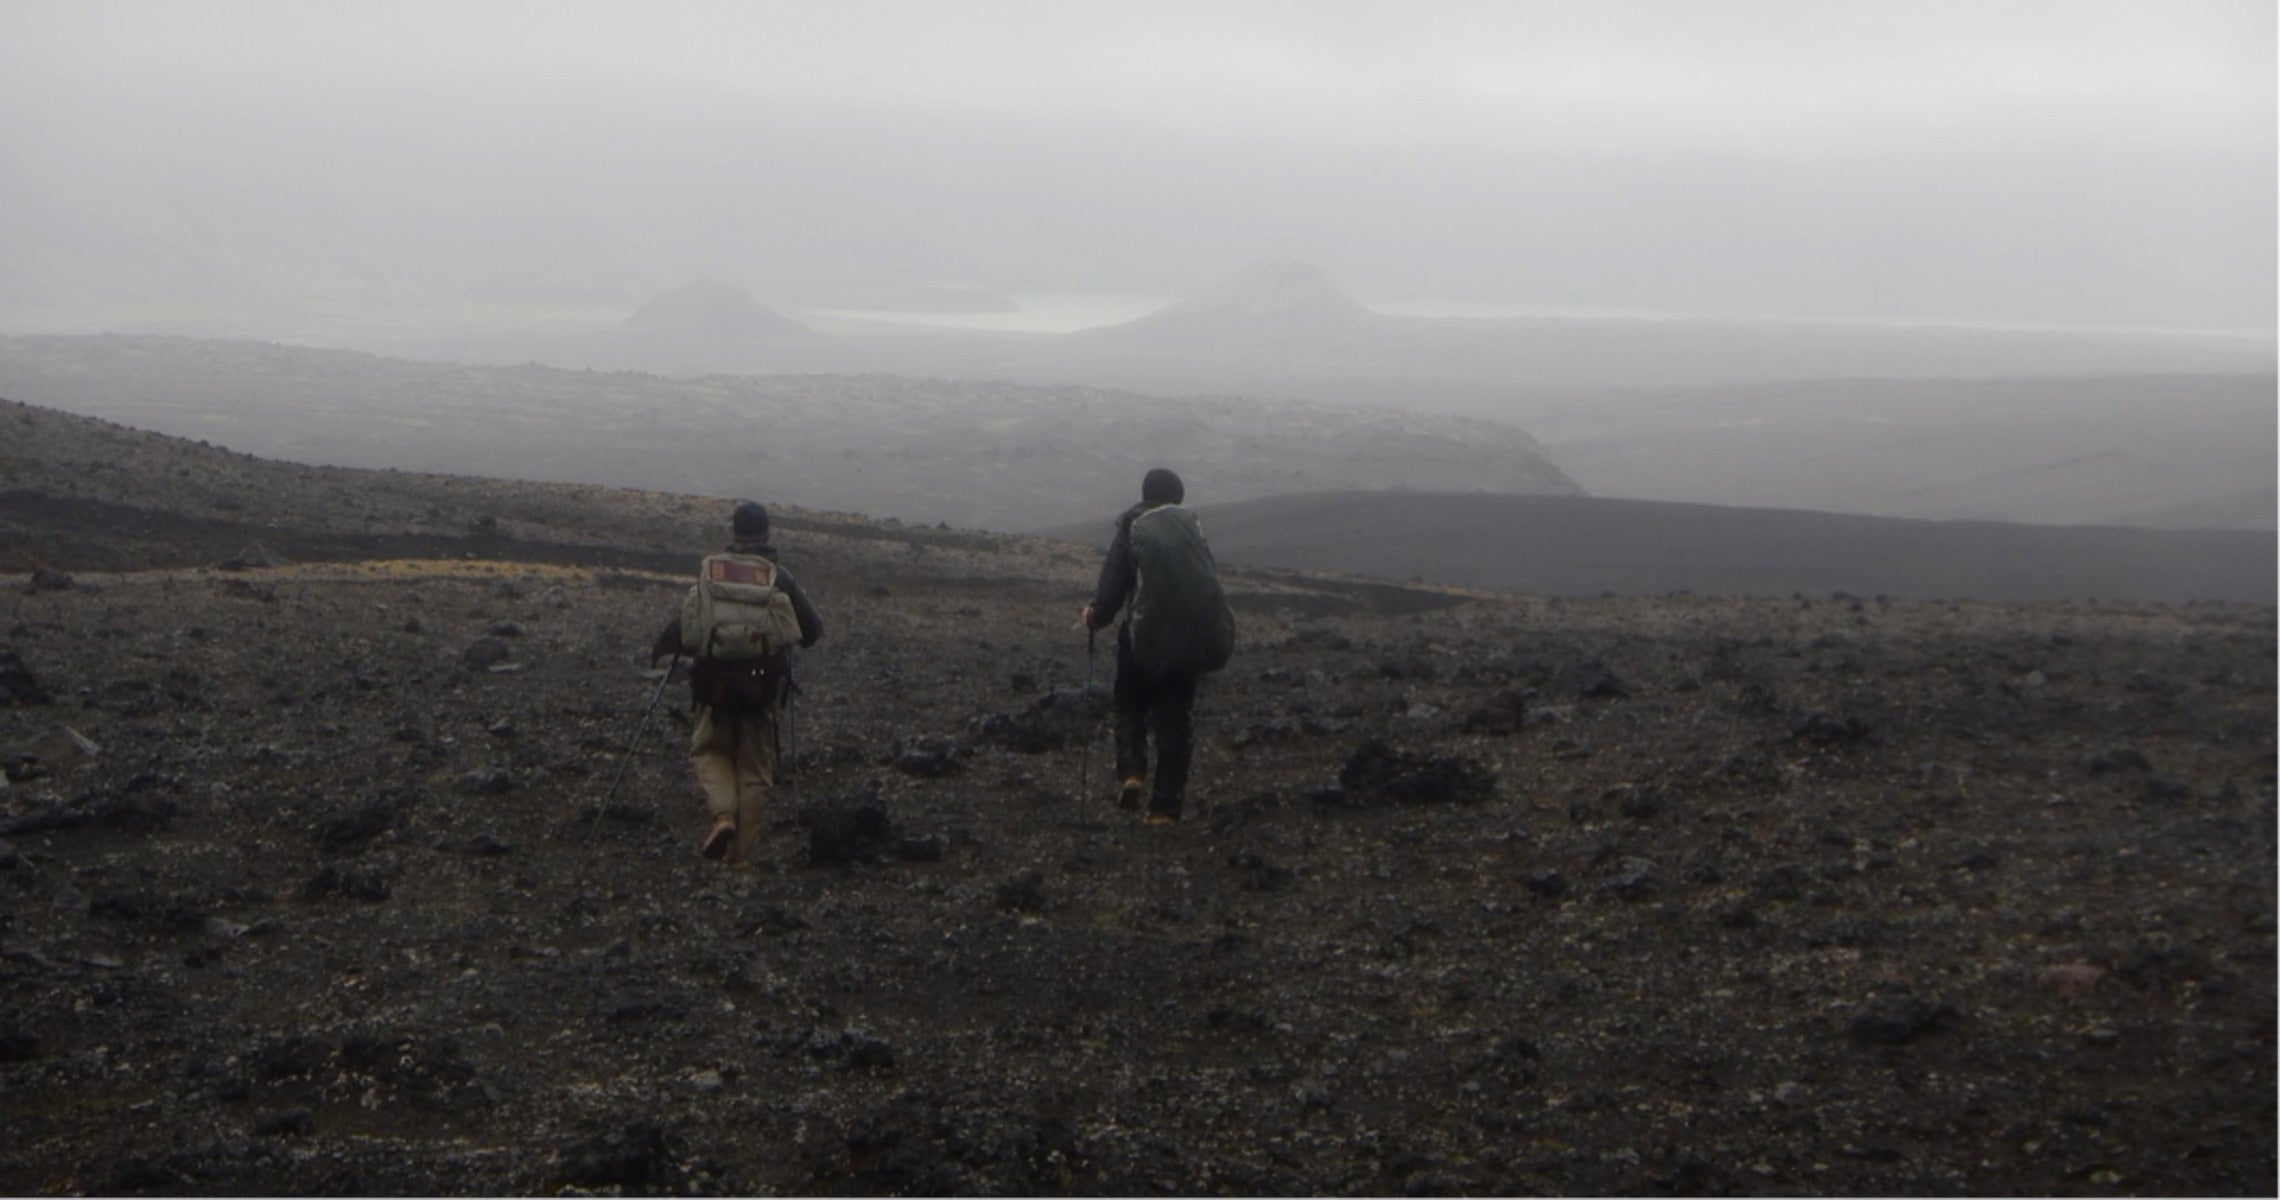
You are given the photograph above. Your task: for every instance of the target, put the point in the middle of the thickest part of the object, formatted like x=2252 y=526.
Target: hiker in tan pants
x=740 y=703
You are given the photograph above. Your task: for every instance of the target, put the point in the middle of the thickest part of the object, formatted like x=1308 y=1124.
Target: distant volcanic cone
x=1273 y=299
x=711 y=312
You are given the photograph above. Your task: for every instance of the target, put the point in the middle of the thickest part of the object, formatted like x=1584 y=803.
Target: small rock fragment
x=486 y=652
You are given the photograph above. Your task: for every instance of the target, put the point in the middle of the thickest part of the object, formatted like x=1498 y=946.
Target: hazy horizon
x=204 y=166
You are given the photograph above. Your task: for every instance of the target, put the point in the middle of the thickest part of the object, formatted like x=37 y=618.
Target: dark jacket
x=811 y=623
x=1119 y=572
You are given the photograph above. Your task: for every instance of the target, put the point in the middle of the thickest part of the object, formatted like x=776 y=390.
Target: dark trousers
x=1163 y=704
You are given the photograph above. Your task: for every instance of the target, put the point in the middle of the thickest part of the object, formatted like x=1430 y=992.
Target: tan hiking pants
x=735 y=758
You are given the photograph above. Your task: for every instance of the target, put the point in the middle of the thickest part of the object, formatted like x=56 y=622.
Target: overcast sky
x=2072 y=162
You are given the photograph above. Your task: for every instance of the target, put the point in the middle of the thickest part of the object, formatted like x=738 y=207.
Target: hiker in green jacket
x=1160 y=573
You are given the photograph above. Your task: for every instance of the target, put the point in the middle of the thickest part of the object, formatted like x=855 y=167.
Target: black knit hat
x=750 y=522
x=1160 y=486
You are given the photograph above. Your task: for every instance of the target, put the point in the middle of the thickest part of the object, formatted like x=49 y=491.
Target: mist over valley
x=1752 y=532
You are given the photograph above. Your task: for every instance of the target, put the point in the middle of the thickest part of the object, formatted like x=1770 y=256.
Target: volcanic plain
x=348 y=846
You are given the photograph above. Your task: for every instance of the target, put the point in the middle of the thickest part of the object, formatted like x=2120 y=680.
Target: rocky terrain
x=344 y=853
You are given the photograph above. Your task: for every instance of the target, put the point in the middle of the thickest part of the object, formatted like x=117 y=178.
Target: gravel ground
x=312 y=888
x=359 y=865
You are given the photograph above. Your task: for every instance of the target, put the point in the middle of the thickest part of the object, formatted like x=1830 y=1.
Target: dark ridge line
x=154 y=538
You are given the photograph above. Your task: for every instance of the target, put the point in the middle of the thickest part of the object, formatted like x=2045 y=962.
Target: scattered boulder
x=173 y=914
x=1785 y=881
x=850 y=1049
x=856 y=829
x=1634 y=878
x=2159 y=789
x=1507 y=713
x=637 y=1155
x=1598 y=683
x=495 y=781
x=369 y=884
x=486 y=652
x=359 y=821
x=1025 y=893
x=775 y=920
x=849 y=831
x=1971 y=854
x=18 y=1045
x=1896 y=1018
x=644 y=1005
x=1378 y=772
x=134 y=807
x=292 y=1056
x=1830 y=729
x=1277 y=731
x=19 y=688
x=1634 y=801
x=1259 y=875
x=1061 y=717
x=929 y=757
x=254 y=556
x=291 y=1122
x=246 y=590
x=1410 y=664
x=2072 y=979
x=2120 y=758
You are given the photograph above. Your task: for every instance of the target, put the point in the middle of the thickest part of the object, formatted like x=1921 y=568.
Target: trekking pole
x=1084 y=770
x=790 y=753
x=625 y=756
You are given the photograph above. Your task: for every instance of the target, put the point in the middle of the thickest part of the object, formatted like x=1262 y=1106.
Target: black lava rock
x=1896 y=1019
x=1023 y=893
x=1783 y=882
x=1507 y=713
x=1829 y=729
x=849 y=1048
x=355 y=883
x=930 y=757
x=1601 y=684
x=1379 y=772
x=17 y=1045
x=291 y=1122
x=18 y=686
x=485 y=652
x=775 y=919
x=292 y=1055
x=2120 y=758
x=1634 y=879
x=638 y=1154
x=856 y=829
x=360 y=821
x=1061 y=717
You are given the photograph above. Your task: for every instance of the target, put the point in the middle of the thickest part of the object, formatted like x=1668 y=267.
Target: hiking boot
x=1129 y=796
x=1157 y=816
x=723 y=836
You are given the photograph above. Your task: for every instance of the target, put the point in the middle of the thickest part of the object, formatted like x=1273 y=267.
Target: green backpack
x=736 y=612
x=1181 y=624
